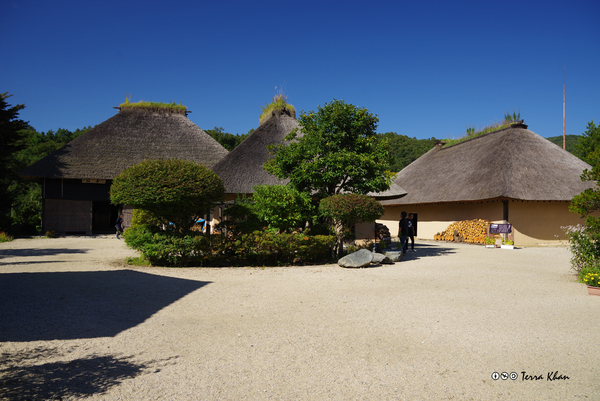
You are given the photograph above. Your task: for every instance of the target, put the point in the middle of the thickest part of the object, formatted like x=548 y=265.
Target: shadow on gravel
x=7 y=253
x=423 y=250
x=69 y=305
x=78 y=378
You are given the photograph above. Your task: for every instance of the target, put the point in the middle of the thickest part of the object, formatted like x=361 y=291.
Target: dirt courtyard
x=77 y=323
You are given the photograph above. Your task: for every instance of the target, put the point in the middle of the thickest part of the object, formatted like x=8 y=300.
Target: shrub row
x=169 y=248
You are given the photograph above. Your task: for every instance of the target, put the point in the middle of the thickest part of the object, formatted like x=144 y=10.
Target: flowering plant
x=4 y=237
x=489 y=240
x=508 y=240
x=584 y=244
x=591 y=279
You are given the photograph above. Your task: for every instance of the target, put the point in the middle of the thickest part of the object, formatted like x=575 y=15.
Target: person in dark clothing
x=119 y=226
x=403 y=231
x=411 y=232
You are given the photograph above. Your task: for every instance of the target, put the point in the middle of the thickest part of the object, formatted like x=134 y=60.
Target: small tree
x=175 y=191
x=346 y=210
x=588 y=145
x=11 y=141
x=336 y=151
x=282 y=207
x=585 y=241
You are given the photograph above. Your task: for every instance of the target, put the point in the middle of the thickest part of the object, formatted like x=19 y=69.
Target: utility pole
x=564 y=120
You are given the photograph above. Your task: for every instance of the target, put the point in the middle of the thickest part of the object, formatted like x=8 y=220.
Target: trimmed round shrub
x=175 y=191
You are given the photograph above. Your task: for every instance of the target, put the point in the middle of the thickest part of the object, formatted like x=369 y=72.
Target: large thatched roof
x=131 y=136
x=242 y=168
x=512 y=163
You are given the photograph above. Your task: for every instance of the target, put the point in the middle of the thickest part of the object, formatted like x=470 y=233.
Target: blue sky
x=426 y=68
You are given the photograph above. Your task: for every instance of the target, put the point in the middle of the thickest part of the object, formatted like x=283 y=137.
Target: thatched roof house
x=242 y=168
x=76 y=178
x=129 y=137
x=511 y=175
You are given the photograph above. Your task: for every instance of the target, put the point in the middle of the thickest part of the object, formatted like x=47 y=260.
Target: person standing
x=119 y=226
x=403 y=231
x=411 y=232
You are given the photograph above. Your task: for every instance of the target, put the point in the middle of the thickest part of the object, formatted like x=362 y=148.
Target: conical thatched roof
x=131 y=136
x=242 y=168
x=512 y=163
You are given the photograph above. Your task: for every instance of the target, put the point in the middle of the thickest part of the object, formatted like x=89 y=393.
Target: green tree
x=281 y=207
x=588 y=201
x=346 y=210
x=227 y=140
x=405 y=150
x=336 y=150
x=11 y=142
x=175 y=191
x=585 y=242
x=240 y=218
x=588 y=146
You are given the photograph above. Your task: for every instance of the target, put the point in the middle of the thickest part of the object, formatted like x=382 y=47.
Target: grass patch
x=137 y=261
x=472 y=133
x=279 y=102
x=154 y=106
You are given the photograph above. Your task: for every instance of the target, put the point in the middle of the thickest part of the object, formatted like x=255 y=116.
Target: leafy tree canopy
x=588 y=201
x=227 y=140
x=345 y=210
x=11 y=141
x=336 y=150
x=405 y=150
x=175 y=191
x=282 y=207
x=588 y=146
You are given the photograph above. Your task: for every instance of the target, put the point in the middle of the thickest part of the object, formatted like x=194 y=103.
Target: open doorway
x=104 y=216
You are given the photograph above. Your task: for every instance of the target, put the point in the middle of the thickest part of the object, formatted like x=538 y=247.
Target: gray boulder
x=360 y=258
x=380 y=258
x=395 y=256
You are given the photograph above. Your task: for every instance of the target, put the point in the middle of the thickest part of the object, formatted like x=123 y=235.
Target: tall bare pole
x=564 y=119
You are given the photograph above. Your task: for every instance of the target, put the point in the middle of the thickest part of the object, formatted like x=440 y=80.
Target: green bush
x=584 y=244
x=165 y=248
x=175 y=191
x=171 y=248
x=281 y=207
x=4 y=237
x=240 y=218
x=590 y=276
x=143 y=217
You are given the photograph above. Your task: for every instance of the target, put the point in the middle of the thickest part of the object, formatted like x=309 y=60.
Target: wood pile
x=471 y=231
x=382 y=233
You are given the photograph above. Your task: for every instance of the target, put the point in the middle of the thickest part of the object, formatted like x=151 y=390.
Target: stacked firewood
x=472 y=231
x=382 y=232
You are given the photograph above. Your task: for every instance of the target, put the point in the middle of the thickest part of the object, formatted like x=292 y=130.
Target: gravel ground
x=76 y=323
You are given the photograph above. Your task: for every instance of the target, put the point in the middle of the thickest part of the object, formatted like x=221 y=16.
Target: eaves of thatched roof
x=129 y=137
x=394 y=192
x=242 y=168
x=512 y=163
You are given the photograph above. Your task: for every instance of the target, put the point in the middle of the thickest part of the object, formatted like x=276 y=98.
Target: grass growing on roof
x=472 y=133
x=279 y=102
x=153 y=105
